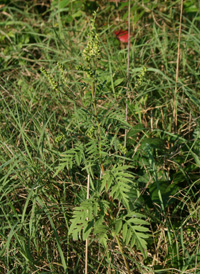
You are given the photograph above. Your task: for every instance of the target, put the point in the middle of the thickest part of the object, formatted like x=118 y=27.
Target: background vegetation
x=69 y=122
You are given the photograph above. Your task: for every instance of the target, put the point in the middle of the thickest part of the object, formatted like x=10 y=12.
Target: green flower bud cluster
x=51 y=80
x=92 y=49
x=60 y=67
x=141 y=77
x=122 y=149
x=59 y=138
x=91 y=72
x=90 y=132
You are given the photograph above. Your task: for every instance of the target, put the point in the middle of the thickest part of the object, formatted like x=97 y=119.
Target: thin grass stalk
x=177 y=68
x=123 y=256
x=128 y=65
x=87 y=240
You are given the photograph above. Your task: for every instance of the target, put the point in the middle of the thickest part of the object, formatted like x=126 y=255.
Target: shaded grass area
x=38 y=126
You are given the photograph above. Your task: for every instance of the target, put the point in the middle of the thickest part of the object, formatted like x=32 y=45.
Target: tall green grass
x=38 y=124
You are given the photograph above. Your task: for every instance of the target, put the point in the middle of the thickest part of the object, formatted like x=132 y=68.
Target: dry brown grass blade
x=177 y=68
x=87 y=240
x=128 y=65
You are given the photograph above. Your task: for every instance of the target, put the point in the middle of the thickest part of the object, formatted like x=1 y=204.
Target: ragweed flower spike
x=49 y=77
x=141 y=77
x=63 y=77
x=92 y=50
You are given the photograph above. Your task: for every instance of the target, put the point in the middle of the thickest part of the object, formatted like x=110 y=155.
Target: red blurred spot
x=122 y=35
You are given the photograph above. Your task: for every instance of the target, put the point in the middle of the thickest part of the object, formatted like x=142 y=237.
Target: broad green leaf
x=132 y=241
x=140 y=228
x=128 y=236
x=124 y=233
x=138 y=221
x=142 y=235
x=88 y=230
x=118 y=226
x=118 y=81
x=100 y=229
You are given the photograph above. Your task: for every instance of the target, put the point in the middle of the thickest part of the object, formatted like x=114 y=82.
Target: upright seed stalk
x=177 y=68
x=87 y=240
x=128 y=65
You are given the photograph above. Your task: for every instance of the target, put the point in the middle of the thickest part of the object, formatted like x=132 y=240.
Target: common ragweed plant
x=97 y=150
